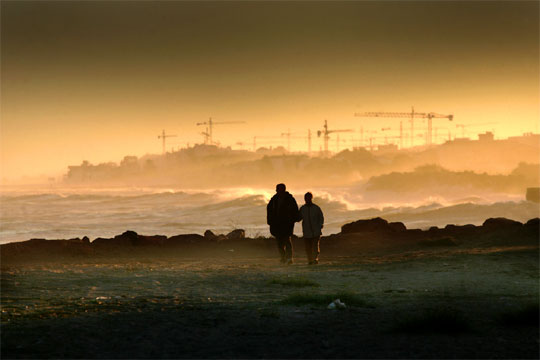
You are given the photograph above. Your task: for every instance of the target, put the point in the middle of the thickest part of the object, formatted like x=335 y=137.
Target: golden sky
x=100 y=80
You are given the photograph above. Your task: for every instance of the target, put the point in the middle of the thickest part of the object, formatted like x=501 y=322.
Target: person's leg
x=309 y=249
x=281 y=247
x=289 y=249
x=316 y=249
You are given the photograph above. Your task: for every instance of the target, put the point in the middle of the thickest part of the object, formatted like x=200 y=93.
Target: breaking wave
x=68 y=213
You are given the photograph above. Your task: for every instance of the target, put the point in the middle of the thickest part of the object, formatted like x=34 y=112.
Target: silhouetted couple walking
x=282 y=213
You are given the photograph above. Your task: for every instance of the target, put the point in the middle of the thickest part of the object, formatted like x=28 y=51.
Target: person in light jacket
x=312 y=224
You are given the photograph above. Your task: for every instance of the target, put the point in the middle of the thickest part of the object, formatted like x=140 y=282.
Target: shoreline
x=372 y=236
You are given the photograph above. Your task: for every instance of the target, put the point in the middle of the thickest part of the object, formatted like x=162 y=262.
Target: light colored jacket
x=312 y=220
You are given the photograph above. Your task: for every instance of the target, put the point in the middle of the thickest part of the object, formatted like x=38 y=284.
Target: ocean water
x=63 y=213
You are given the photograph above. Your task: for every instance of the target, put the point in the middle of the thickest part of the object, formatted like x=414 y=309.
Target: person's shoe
x=314 y=262
x=310 y=263
x=290 y=262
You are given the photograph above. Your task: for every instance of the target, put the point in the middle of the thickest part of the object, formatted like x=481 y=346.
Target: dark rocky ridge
x=355 y=238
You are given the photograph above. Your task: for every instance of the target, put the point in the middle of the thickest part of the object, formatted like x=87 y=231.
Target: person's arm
x=269 y=212
x=321 y=217
x=296 y=213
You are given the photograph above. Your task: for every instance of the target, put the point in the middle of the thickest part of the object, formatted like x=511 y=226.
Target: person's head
x=280 y=188
x=308 y=197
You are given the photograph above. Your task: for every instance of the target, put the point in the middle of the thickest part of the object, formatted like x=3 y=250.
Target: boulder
x=501 y=224
x=236 y=234
x=534 y=223
x=397 y=226
x=533 y=227
x=155 y=240
x=185 y=239
x=210 y=236
x=372 y=225
x=43 y=248
x=221 y=237
x=453 y=230
x=128 y=238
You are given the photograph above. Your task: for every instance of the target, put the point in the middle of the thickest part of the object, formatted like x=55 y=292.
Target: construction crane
x=309 y=141
x=271 y=138
x=412 y=115
x=463 y=126
x=326 y=134
x=288 y=134
x=206 y=135
x=340 y=141
x=163 y=137
x=211 y=123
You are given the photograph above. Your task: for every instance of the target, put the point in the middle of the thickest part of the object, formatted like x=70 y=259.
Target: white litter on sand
x=337 y=304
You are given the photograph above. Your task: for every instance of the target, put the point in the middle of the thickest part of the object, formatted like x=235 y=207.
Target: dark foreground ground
x=473 y=295
x=460 y=305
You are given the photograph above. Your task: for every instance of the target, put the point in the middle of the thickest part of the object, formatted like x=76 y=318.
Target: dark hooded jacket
x=281 y=214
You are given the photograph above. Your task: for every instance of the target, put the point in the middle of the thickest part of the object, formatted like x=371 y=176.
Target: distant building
x=388 y=148
x=533 y=194
x=526 y=139
x=487 y=136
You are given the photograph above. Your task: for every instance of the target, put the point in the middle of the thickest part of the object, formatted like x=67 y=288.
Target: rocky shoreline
x=355 y=238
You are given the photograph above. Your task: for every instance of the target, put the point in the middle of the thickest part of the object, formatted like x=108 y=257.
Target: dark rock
x=208 y=234
x=237 y=234
x=535 y=223
x=44 y=248
x=533 y=227
x=433 y=229
x=155 y=240
x=397 y=226
x=414 y=232
x=501 y=224
x=128 y=238
x=100 y=241
x=221 y=238
x=458 y=230
x=372 y=225
x=128 y=234
x=185 y=239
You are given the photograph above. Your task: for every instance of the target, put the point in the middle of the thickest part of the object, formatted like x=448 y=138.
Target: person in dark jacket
x=312 y=224
x=281 y=214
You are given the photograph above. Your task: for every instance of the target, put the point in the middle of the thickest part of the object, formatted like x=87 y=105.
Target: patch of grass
x=268 y=313
x=441 y=321
x=293 y=282
x=526 y=316
x=350 y=299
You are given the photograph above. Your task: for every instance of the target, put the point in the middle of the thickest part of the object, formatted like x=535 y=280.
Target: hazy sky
x=100 y=80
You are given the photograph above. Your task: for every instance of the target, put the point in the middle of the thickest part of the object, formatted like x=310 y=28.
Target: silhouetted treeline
x=435 y=179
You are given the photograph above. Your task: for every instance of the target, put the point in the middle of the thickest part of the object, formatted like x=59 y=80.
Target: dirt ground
x=457 y=303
